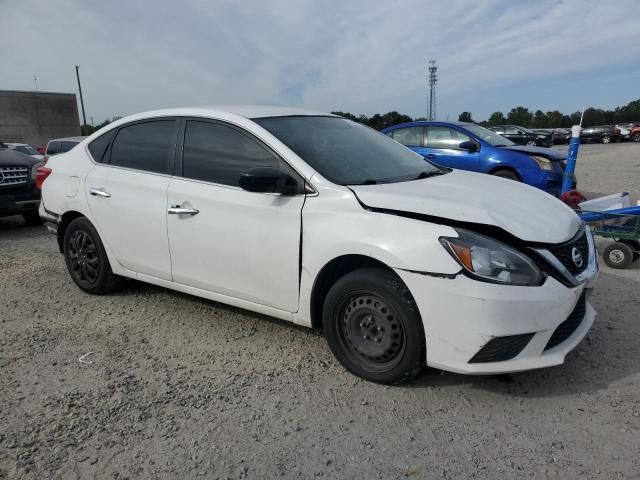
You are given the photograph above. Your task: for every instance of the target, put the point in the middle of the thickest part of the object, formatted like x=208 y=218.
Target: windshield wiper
x=429 y=173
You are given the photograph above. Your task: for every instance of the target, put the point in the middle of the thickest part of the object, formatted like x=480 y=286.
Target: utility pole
x=84 y=118
x=433 y=80
x=35 y=80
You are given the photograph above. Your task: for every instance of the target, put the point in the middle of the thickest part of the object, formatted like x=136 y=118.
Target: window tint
x=410 y=136
x=53 y=148
x=511 y=130
x=219 y=154
x=99 y=146
x=444 y=137
x=66 y=146
x=144 y=146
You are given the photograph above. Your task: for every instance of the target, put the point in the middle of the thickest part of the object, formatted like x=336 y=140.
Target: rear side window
x=53 y=148
x=445 y=138
x=410 y=136
x=145 y=146
x=98 y=147
x=218 y=154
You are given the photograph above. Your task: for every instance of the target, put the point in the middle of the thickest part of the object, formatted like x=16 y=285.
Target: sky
x=351 y=55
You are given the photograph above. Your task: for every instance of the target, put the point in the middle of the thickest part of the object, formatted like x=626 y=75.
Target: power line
x=433 y=80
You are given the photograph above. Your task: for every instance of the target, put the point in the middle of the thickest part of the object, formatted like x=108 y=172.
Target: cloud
x=358 y=56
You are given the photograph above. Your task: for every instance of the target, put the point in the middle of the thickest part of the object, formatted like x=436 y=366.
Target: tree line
x=518 y=116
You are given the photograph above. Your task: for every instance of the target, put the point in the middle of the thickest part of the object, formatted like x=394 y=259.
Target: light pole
x=84 y=118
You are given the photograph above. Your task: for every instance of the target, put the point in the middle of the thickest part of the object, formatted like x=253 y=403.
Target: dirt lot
x=183 y=387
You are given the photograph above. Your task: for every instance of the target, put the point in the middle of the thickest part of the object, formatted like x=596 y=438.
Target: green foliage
x=465 y=117
x=496 y=118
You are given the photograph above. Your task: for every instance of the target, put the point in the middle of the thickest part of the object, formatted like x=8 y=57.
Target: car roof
x=13 y=144
x=68 y=139
x=247 y=111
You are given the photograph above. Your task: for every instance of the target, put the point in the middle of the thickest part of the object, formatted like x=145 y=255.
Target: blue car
x=468 y=146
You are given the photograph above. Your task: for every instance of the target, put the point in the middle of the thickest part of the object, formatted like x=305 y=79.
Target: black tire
x=605 y=139
x=86 y=258
x=636 y=137
x=506 y=173
x=32 y=217
x=530 y=143
x=618 y=255
x=634 y=245
x=373 y=326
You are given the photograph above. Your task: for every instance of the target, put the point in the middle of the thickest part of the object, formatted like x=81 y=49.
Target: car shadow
x=609 y=353
x=15 y=227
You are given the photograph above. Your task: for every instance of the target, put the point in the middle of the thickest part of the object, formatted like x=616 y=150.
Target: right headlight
x=543 y=163
x=491 y=261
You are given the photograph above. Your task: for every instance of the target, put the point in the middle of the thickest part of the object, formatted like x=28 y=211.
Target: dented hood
x=525 y=212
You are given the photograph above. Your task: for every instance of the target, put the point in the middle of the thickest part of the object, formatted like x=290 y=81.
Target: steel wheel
x=371 y=332
x=83 y=256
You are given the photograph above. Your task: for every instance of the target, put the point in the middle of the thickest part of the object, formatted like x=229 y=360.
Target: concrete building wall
x=37 y=117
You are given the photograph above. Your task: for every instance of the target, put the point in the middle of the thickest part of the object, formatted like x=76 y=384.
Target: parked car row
x=546 y=137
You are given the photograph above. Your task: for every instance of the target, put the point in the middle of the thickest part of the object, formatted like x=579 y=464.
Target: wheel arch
x=330 y=273
x=499 y=167
x=65 y=220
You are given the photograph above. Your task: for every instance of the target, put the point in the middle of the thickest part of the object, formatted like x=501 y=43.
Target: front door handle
x=99 y=192
x=178 y=210
x=430 y=156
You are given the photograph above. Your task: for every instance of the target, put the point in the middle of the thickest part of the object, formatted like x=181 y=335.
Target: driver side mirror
x=469 y=146
x=268 y=180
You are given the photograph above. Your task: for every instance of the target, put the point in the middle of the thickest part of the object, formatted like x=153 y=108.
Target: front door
x=443 y=148
x=232 y=242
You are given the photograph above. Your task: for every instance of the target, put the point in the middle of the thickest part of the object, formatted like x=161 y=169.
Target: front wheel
x=606 y=139
x=373 y=326
x=636 y=137
x=618 y=255
x=530 y=143
x=87 y=259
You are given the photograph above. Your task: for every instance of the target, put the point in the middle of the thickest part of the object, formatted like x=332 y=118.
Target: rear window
x=66 y=146
x=53 y=148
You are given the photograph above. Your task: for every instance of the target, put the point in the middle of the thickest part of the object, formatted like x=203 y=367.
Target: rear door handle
x=99 y=192
x=178 y=210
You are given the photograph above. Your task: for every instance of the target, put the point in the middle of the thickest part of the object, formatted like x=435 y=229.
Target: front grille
x=499 y=349
x=10 y=176
x=564 y=253
x=566 y=328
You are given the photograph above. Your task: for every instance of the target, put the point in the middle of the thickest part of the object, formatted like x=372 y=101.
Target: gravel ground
x=182 y=387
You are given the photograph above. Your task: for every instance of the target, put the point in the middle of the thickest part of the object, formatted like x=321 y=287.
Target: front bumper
x=461 y=316
x=17 y=200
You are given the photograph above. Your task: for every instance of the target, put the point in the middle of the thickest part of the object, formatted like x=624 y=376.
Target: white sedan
x=323 y=222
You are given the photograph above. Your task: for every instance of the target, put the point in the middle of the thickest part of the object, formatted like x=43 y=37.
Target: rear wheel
x=530 y=143
x=86 y=258
x=32 y=217
x=506 y=173
x=373 y=326
x=606 y=139
x=618 y=255
x=636 y=137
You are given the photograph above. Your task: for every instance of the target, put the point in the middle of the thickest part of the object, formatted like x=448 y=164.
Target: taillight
x=41 y=175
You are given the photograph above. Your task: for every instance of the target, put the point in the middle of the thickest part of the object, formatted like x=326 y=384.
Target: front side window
x=219 y=154
x=409 y=136
x=492 y=138
x=144 y=146
x=345 y=152
x=445 y=138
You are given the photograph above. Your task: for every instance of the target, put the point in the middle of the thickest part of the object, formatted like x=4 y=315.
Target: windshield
x=346 y=152
x=492 y=138
x=26 y=150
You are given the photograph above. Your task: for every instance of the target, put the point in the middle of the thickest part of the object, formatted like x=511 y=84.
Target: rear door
x=241 y=244
x=127 y=194
x=443 y=148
